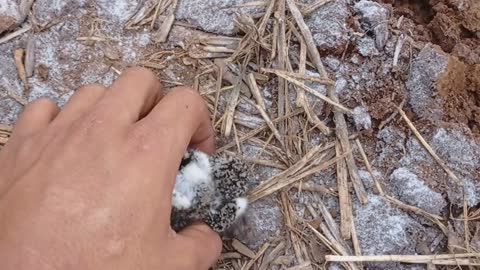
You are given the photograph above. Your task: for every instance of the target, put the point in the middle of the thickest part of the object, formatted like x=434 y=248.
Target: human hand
x=89 y=186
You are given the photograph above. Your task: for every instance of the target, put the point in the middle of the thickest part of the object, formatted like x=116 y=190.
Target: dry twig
x=429 y=148
x=19 y=55
x=445 y=259
x=15 y=34
x=342 y=132
x=242 y=249
x=343 y=196
x=270 y=257
x=30 y=56
x=288 y=213
x=164 y=29
x=257 y=256
x=314 y=6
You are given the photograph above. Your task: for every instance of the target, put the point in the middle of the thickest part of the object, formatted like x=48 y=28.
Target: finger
x=81 y=102
x=130 y=97
x=35 y=117
x=180 y=119
x=200 y=245
x=185 y=115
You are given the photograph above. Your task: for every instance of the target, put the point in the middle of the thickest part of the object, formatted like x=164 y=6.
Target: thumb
x=201 y=245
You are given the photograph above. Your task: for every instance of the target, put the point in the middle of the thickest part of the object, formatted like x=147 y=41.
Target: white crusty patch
x=194 y=175
x=242 y=204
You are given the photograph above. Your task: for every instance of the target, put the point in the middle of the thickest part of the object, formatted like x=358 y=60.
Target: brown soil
x=454 y=25
x=419 y=10
x=450 y=25
x=459 y=86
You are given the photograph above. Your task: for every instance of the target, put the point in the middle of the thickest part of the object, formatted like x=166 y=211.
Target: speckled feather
x=209 y=188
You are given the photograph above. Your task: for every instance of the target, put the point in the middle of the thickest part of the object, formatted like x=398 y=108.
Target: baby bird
x=212 y=189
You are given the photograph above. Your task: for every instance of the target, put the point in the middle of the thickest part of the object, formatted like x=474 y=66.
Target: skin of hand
x=89 y=186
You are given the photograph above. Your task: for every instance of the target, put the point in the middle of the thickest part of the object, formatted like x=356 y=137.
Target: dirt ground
x=389 y=61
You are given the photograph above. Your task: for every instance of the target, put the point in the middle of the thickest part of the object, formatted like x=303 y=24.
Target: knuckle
x=88 y=127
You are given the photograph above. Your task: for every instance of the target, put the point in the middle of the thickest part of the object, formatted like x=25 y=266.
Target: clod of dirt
x=216 y=16
x=9 y=15
x=471 y=17
x=361 y=118
x=332 y=63
x=459 y=89
x=329 y=26
x=460 y=153
x=383 y=229
x=468 y=12
x=454 y=21
x=366 y=47
x=466 y=54
x=410 y=189
x=376 y=16
x=428 y=68
x=446 y=31
x=443 y=88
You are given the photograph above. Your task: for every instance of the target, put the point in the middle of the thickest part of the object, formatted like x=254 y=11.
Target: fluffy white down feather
x=242 y=205
x=188 y=180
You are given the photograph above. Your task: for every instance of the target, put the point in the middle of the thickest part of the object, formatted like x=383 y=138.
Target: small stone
x=429 y=66
x=459 y=152
x=216 y=16
x=457 y=149
x=362 y=118
x=463 y=155
x=9 y=15
x=355 y=59
x=341 y=85
x=376 y=16
x=472 y=193
x=411 y=190
x=332 y=63
x=366 y=47
x=384 y=229
x=329 y=25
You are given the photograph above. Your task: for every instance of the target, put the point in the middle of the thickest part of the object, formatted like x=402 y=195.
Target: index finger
x=185 y=112
x=179 y=120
